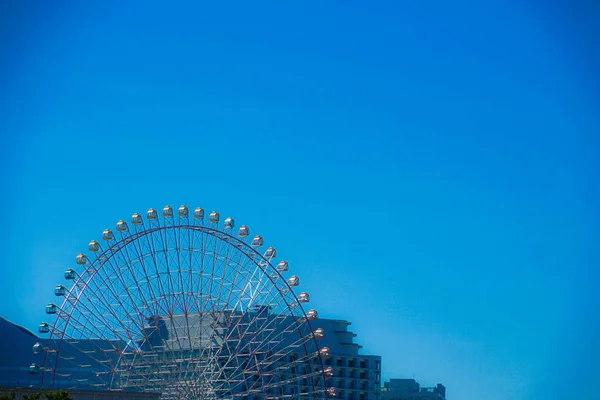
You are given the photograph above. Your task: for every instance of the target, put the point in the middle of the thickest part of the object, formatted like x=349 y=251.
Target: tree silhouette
x=41 y=395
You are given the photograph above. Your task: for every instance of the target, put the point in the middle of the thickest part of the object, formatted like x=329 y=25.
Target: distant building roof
x=409 y=389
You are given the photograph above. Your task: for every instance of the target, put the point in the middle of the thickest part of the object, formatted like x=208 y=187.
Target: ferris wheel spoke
x=165 y=296
x=206 y=239
x=243 y=337
x=161 y=255
x=209 y=348
x=70 y=338
x=278 y=356
x=137 y=247
x=169 y=242
x=143 y=280
x=87 y=328
x=146 y=258
x=106 y=316
x=200 y=306
x=146 y=339
x=228 y=323
x=120 y=269
x=247 y=350
x=141 y=330
x=213 y=221
x=180 y=259
x=204 y=373
x=171 y=250
x=190 y=272
x=227 y=263
x=185 y=266
x=103 y=325
x=192 y=365
x=224 y=266
x=151 y=251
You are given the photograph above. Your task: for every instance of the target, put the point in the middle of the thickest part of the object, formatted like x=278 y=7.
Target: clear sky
x=429 y=169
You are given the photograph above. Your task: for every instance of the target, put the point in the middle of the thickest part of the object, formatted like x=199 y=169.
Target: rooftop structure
x=355 y=376
x=409 y=389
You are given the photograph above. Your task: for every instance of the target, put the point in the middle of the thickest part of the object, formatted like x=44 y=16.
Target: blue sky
x=430 y=170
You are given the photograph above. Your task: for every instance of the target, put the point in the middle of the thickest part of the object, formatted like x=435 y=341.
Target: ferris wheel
x=186 y=308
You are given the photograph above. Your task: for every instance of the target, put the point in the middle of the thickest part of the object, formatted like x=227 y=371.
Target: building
x=355 y=376
x=20 y=394
x=16 y=354
x=409 y=389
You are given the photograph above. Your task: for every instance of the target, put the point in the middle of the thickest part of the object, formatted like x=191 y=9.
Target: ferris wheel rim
x=119 y=245
x=92 y=268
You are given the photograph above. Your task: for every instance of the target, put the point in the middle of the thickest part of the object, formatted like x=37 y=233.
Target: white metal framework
x=184 y=307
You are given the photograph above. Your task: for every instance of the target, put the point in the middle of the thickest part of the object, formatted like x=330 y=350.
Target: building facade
x=355 y=376
x=409 y=389
x=15 y=356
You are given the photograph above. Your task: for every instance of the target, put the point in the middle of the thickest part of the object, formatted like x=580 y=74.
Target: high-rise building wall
x=355 y=376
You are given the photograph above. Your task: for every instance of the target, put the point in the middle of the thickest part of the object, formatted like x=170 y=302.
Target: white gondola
x=137 y=219
x=271 y=253
x=168 y=212
x=304 y=297
x=60 y=290
x=108 y=235
x=312 y=315
x=229 y=223
x=81 y=259
x=319 y=333
x=70 y=274
x=293 y=281
x=94 y=246
x=283 y=266
x=34 y=368
x=51 y=308
x=122 y=226
x=183 y=212
x=37 y=348
x=244 y=231
x=257 y=241
x=44 y=327
x=199 y=213
x=152 y=214
x=214 y=217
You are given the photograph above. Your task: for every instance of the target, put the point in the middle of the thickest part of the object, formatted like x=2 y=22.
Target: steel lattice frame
x=185 y=309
